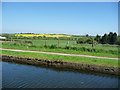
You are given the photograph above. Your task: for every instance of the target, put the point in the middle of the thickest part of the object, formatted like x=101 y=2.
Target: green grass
x=38 y=45
x=63 y=43
x=38 y=42
x=75 y=59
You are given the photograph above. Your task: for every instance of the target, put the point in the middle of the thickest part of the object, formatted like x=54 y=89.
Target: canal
x=27 y=76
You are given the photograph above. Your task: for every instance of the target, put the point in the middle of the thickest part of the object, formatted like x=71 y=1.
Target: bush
x=85 y=40
x=28 y=42
x=45 y=46
x=81 y=41
x=89 y=50
x=53 y=46
x=94 y=50
x=74 y=48
x=83 y=49
x=15 y=44
x=89 y=41
x=67 y=47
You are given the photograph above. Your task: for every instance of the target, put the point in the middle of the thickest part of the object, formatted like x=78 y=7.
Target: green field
x=64 y=46
x=75 y=59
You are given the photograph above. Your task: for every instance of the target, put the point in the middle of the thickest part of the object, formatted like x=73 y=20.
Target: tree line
x=111 y=38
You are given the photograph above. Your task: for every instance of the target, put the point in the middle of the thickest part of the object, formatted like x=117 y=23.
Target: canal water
x=27 y=76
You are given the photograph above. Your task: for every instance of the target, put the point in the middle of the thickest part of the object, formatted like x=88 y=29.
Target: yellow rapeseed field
x=41 y=35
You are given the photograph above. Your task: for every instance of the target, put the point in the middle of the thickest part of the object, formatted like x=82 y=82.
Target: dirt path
x=59 y=54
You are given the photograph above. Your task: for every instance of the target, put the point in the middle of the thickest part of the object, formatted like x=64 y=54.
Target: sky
x=60 y=17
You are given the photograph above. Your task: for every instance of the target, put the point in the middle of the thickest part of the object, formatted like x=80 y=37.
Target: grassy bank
x=75 y=59
x=51 y=46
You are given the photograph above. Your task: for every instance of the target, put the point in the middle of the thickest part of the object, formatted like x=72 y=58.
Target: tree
x=118 y=40
x=104 y=39
x=81 y=41
x=110 y=37
x=97 y=38
x=9 y=36
x=87 y=35
x=89 y=40
x=86 y=40
x=114 y=38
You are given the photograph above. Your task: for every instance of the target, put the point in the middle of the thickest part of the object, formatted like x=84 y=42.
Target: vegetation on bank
x=75 y=59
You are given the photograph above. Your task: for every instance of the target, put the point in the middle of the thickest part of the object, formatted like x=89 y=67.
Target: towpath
x=54 y=53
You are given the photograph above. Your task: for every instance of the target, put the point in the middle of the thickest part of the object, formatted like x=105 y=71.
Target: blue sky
x=61 y=17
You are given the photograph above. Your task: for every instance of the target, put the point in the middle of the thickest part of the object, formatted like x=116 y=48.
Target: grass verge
x=75 y=59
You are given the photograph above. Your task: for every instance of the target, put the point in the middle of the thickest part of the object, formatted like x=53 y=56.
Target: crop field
x=41 y=35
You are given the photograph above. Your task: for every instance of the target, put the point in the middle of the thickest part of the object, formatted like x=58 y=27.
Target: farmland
x=41 y=35
x=63 y=46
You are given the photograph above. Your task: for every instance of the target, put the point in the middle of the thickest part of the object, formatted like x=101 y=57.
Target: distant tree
x=104 y=39
x=97 y=38
x=39 y=37
x=87 y=35
x=81 y=40
x=8 y=36
x=86 y=40
x=44 y=36
x=89 y=40
x=110 y=37
x=114 y=38
x=118 y=40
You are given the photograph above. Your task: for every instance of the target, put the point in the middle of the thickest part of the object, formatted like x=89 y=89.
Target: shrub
x=67 y=47
x=89 y=41
x=53 y=46
x=83 y=49
x=14 y=43
x=45 y=46
x=89 y=50
x=94 y=50
x=85 y=40
x=81 y=41
x=74 y=48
